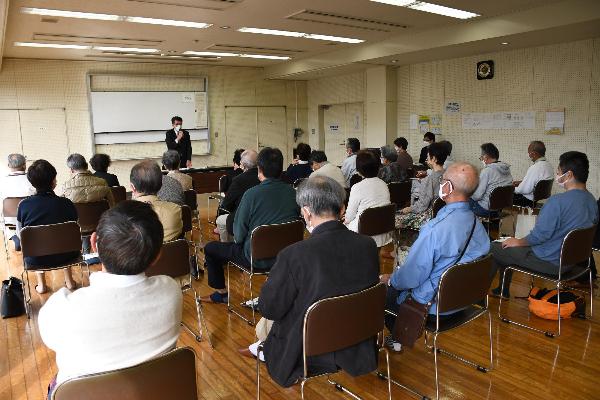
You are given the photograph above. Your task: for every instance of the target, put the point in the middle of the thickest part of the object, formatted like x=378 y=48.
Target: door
x=240 y=128
x=44 y=135
x=334 y=120
x=354 y=121
x=272 y=129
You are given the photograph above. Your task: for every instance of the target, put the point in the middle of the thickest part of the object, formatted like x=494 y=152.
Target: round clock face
x=484 y=70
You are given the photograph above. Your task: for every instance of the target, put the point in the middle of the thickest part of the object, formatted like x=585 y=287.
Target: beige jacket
x=83 y=187
x=169 y=215
x=184 y=179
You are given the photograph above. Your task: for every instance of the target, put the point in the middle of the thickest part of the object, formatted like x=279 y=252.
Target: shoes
x=496 y=293
x=244 y=351
x=392 y=345
x=253 y=303
x=215 y=297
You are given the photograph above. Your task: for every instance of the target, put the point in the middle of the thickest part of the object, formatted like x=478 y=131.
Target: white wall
x=532 y=79
x=56 y=85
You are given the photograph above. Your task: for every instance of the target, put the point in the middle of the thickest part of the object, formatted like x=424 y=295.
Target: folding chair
x=46 y=240
x=88 y=215
x=377 y=220
x=541 y=191
x=168 y=376
x=501 y=198
x=266 y=242
x=400 y=193
x=576 y=249
x=462 y=286
x=10 y=206
x=174 y=261
x=119 y=193
x=186 y=219
x=191 y=200
x=358 y=315
x=216 y=196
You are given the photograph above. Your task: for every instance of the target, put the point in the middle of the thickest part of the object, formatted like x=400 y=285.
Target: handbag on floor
x=412 y=315
x=12 y=298
x=544 y=304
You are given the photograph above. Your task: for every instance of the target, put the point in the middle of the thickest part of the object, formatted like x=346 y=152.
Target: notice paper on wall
x=413 y=121
x=499 y=120
x=555 y=122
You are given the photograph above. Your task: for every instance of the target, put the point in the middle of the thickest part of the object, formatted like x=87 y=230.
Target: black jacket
x=236 y=190
x=111 y=179
x=332 y=262
x=184 y=147
x=423 y=155
x=298 y=171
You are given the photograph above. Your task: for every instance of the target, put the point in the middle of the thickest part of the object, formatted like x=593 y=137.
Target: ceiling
x=392 y=35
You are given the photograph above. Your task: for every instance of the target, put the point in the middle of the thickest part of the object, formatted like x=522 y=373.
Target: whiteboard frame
x=89 y=76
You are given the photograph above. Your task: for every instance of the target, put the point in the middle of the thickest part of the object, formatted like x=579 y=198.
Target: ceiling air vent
x=66 y=38
x=217 y=5
x=347 y=21
x=252 y=50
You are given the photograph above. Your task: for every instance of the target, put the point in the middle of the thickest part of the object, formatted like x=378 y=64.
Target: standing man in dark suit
x=179 y=139
x=334 y=261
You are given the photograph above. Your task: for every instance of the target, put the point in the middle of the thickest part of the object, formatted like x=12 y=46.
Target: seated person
x=404 y=159
x=390 y=170
x=45 y=208
x=15 y=184
x=146 y=181
x=231 y=174
x=271 y=202
x=100 y=163
x=440 y=243
x=494 y=174
x=575 y=208
x=368 y=193
x=349 y=164
x=322 y=167
x=428 y=138
x=420 y=211
x=340 y=261
x=301 y=168
x=233 y=197
x=123 y=318
x=171 y=191
x=170 y=160
x=541 y=170
x=82 y=186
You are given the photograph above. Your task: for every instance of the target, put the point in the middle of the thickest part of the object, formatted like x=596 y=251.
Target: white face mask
x=557 y=179
x=441 y=194
x=426 y=143
x=177 y=128
x=483 y=163
x=309 y=226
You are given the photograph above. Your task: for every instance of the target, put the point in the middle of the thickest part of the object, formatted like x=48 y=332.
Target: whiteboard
x=146 y=111
x=144 y=137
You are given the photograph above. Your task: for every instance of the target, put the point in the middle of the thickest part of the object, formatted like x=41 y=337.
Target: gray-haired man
x=239 y=185
x=15 y=184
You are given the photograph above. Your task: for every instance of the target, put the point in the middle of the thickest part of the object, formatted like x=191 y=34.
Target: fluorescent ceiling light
x=265 y=56
x=70 y=14
x=220 y=54
x=131 y=49
x=110 y=17
x=168 y=22
x=431 y=8
x=300 y=35
x=209 y=53
x=52 y=45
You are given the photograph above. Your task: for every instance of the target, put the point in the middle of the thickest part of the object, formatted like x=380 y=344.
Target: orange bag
x=543 y=303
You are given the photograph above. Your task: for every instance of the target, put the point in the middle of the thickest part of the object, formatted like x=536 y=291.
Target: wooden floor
x=527 y=365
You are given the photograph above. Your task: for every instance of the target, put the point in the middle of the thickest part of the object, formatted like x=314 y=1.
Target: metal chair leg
x=26 y=296
x=591 y=294
x=491 y=340
x=558 y=301
x=258 y=373
x=252 y=301
x=302 y=388
x=435 y=361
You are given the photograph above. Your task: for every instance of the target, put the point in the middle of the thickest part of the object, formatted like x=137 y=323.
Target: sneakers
x=253 y=303
x=392 y=345
x=215 y=297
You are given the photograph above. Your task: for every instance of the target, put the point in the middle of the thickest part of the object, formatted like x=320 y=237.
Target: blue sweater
x=562 y=213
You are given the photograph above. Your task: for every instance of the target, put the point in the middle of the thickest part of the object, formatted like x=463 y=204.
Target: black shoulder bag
x=12 y=298
x=412 y=315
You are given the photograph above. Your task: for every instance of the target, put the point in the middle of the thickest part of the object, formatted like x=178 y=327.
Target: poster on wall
x=413 y=121
x=499 y=120
x=452 y=107
x=334 y=127
x=430 y=123
x=555 y=122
